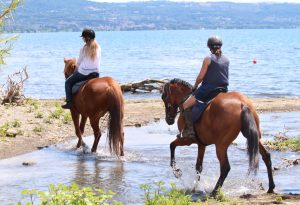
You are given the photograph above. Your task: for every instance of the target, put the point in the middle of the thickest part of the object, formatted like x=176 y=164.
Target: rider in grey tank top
x=212 y=76
x=217 y=72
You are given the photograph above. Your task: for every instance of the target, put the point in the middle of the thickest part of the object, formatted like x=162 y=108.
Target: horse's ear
x=74 y=66
x=65 y=60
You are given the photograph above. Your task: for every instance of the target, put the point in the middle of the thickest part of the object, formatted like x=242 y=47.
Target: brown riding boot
x=188 y=131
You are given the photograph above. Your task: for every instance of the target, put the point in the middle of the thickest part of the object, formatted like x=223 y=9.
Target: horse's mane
x=181 y=82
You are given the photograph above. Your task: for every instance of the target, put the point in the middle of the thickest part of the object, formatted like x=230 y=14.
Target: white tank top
x=86 y=65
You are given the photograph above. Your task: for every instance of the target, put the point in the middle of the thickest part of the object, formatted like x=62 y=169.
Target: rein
x=184 y=99
x=180 y=103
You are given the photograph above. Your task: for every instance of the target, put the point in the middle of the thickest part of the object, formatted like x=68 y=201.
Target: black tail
x=250 y=130
x=115 y=123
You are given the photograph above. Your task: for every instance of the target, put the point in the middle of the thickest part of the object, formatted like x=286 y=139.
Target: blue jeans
x=75 y=78
x=202 y=93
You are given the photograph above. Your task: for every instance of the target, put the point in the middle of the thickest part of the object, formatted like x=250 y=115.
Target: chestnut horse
x=94 y=99
x=227 y=115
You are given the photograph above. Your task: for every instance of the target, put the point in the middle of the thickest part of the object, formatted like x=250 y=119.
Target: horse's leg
x=75 y=116
x=82 y=124
x=178 y=142
x=224 y=167
x=201 y=151
x=97 y=133
x=267 y=159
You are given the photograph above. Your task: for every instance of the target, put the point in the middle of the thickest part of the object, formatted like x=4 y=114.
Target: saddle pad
x=77 y=86
x=198 y=109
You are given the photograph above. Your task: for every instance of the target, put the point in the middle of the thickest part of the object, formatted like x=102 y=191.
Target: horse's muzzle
x=170 y=120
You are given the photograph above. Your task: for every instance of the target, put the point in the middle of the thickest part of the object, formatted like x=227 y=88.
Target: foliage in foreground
x=68 y=195
x=159 y=195
x=283 y=143
x=154 y=195
x=7 y=7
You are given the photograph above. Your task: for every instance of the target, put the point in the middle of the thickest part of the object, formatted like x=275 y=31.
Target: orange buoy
x=254 y=61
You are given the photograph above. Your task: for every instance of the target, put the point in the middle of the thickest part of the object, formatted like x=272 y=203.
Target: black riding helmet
x=88 y=34
x=214 y=42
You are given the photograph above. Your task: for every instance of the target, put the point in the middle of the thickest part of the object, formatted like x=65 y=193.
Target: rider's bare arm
x=203 y=71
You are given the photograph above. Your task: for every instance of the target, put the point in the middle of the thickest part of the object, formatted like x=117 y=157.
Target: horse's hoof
x=198 y=175
x=177 y=173
x=79 y=144
x=213 y=194
x=270 y=191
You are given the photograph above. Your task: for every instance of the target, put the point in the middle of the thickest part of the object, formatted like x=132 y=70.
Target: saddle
x=78 y=85
x=200 y=106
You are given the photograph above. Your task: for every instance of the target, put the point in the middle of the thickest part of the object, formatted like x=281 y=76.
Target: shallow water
x=147 y=160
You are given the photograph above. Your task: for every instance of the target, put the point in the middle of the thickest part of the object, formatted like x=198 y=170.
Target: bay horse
x=223 y=119
x=93 y=100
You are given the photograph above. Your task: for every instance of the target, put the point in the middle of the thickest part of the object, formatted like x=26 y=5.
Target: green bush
x=32 y=103
x=220 y=196
x=57 y=113
x=69 y=195
x=289 y=143
x=38 y=115
x=37 y=129
x=159 y=195
x=67 y=118
x=3 y=129
x=16 y=123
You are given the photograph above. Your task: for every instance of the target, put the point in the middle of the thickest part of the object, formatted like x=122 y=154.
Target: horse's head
x=70 y=66
x=173 y=94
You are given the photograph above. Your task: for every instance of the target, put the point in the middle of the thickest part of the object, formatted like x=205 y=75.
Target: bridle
x=167 y=92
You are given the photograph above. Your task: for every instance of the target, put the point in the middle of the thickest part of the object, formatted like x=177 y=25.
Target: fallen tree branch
x=147 y=85
x=14 y=87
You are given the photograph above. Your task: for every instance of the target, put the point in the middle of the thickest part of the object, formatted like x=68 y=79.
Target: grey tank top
x=217 y=72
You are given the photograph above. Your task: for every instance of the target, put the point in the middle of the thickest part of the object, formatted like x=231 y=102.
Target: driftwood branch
x=12 y=91
x=147 y=85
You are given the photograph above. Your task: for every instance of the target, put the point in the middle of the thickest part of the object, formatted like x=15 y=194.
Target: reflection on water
x=147 y=160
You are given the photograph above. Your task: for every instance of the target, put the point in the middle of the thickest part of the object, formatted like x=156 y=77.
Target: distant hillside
x=73 y=15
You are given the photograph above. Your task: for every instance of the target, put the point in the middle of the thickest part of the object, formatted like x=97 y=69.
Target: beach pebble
x=42 y=147
x=138 y=125
x=28 y=163
x=11 y=133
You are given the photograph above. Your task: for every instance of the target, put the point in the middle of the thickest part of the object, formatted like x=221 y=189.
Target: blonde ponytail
x=90 y=48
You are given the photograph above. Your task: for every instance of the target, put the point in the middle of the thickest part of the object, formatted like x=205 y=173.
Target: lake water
x=136 y=55
x=146 y=160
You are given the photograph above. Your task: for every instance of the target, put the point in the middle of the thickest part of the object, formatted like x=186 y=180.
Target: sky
x=236 y=1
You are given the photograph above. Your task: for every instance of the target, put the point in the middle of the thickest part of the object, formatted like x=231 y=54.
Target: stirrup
x=67 y=106
x=188 y=134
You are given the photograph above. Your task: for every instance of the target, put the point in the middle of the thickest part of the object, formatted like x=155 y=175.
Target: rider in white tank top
x=86 y=65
